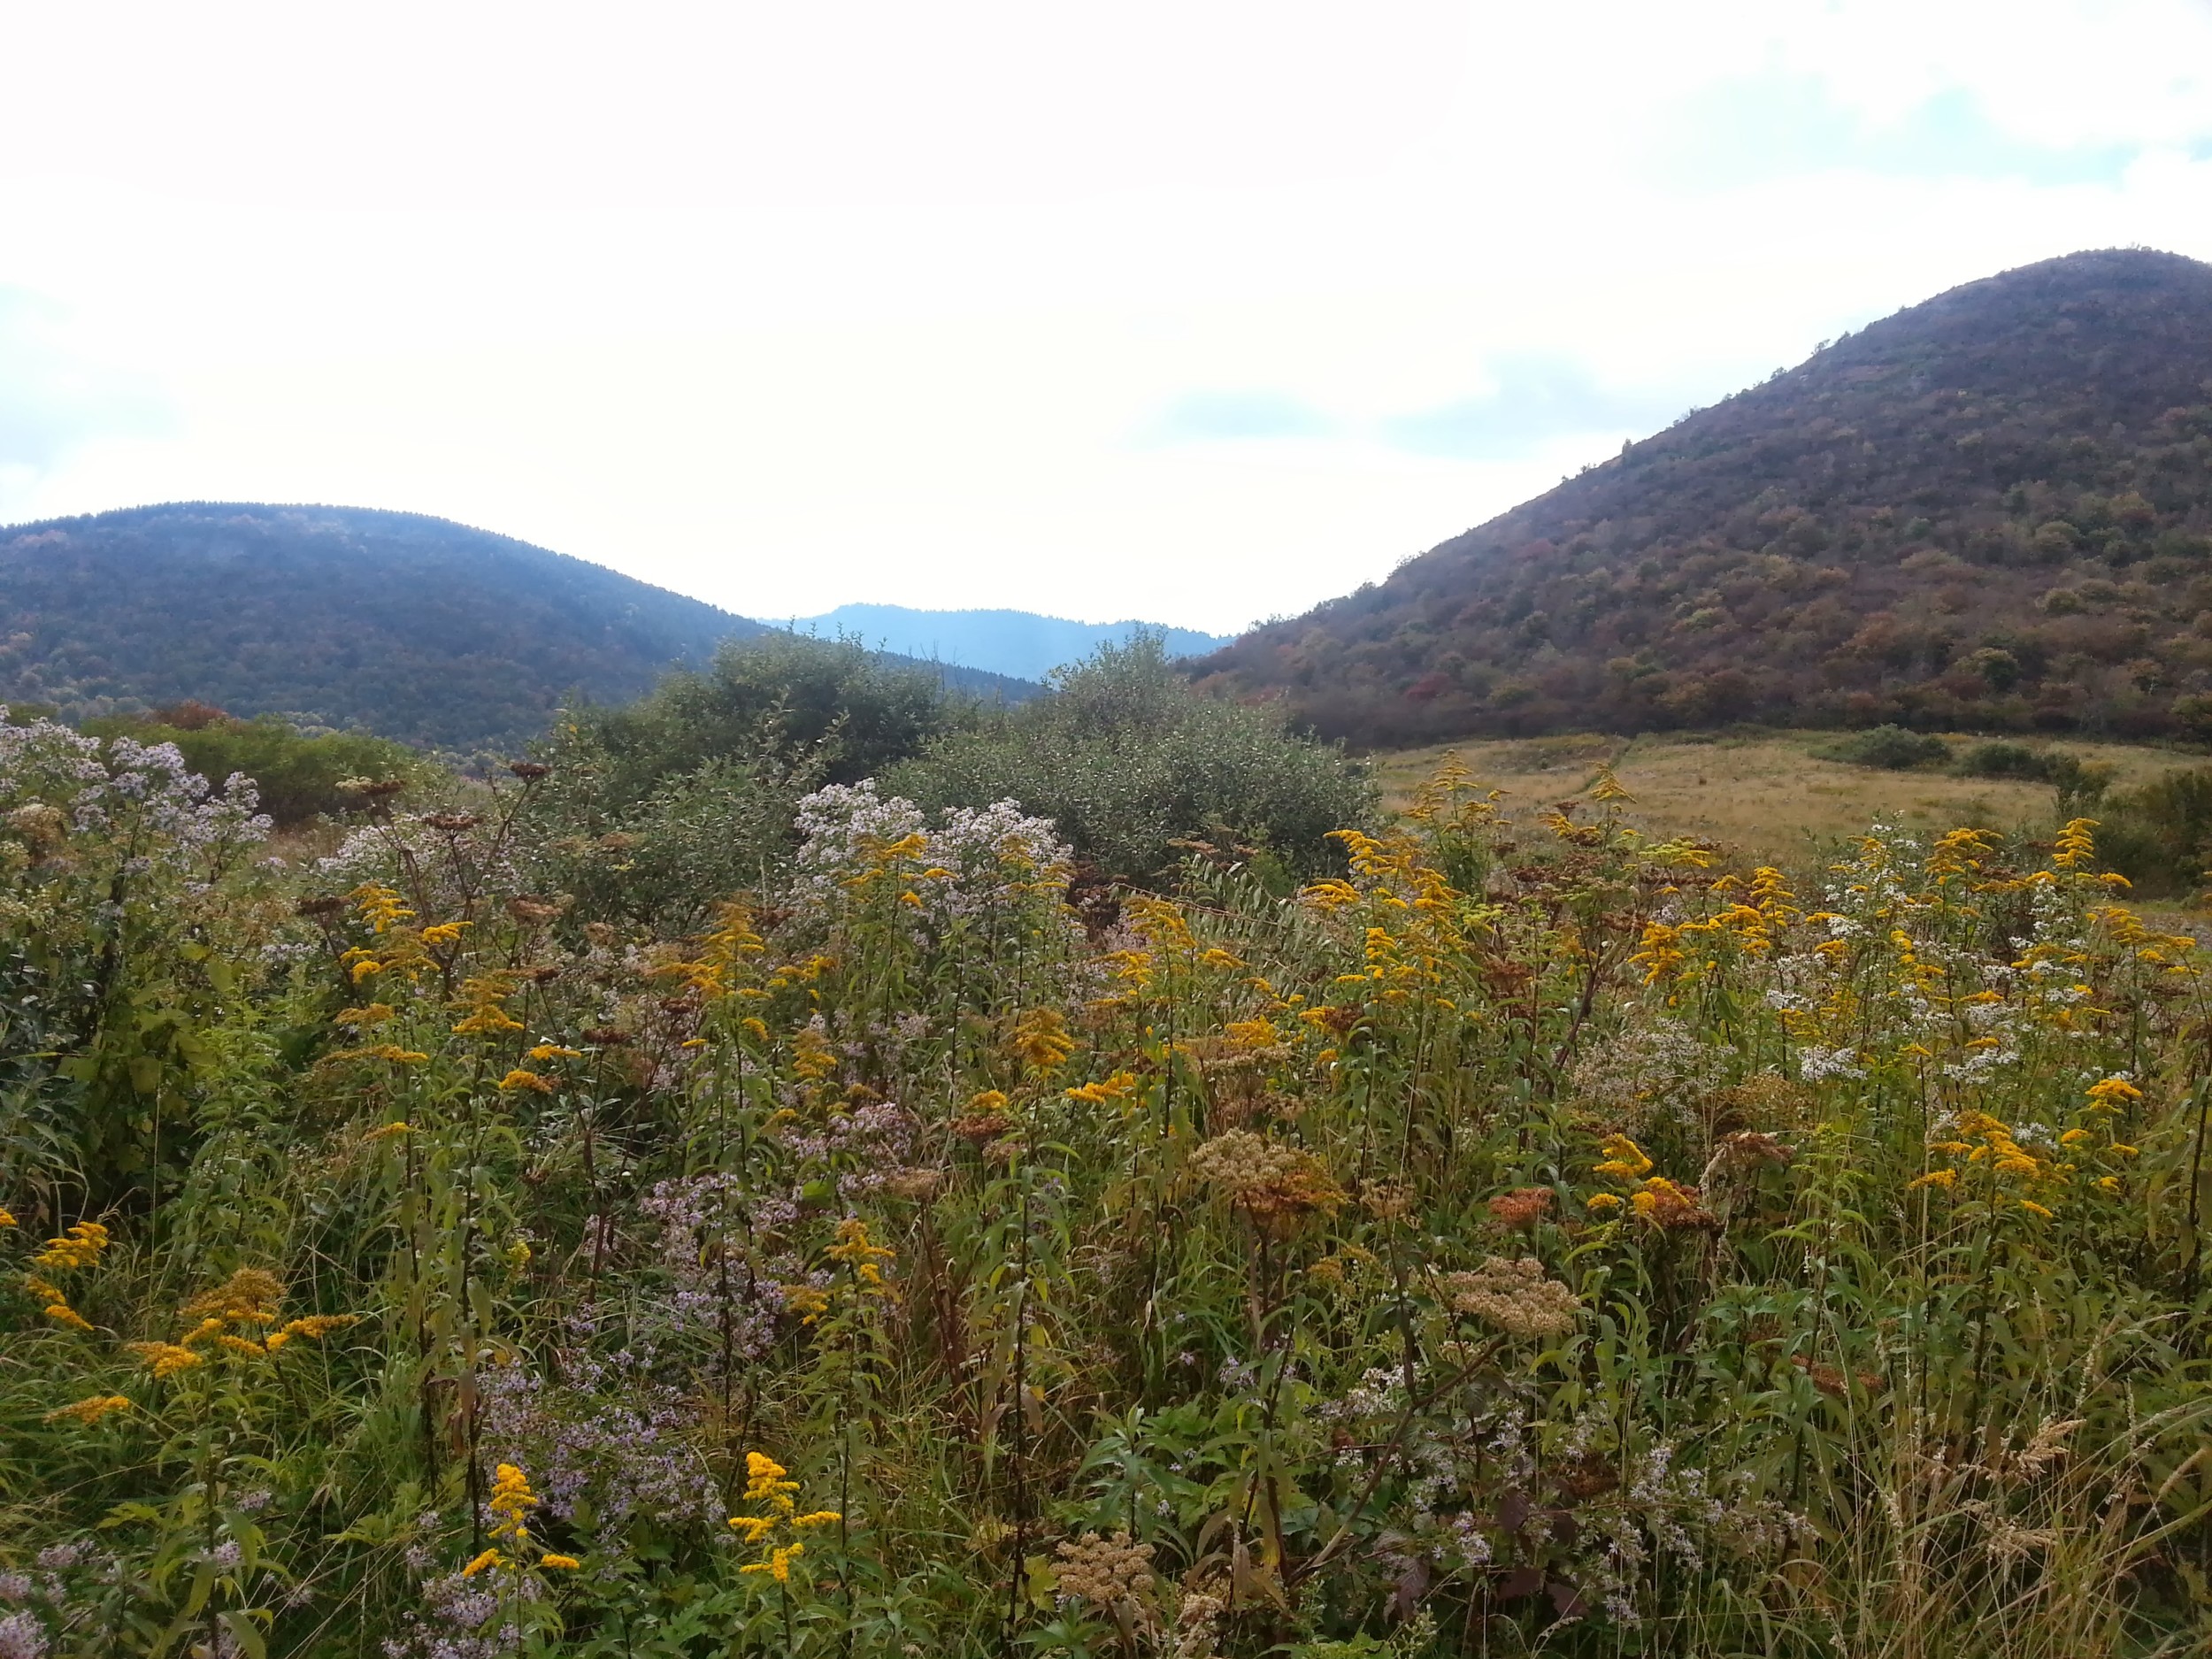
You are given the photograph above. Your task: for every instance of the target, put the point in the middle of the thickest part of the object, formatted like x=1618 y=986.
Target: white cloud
x=1138 y=311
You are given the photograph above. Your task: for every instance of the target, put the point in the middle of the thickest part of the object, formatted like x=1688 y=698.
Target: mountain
x=414 y=626
x=1016 y=642
x=1991 y=510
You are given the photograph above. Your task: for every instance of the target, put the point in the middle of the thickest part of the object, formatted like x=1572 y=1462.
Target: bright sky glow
x=1199 y=310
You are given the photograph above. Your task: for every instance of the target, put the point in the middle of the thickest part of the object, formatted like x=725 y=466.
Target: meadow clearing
x=1521 y=1233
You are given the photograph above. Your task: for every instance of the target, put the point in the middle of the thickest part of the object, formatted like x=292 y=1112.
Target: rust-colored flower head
x=529 y=770
x=1523 y=1207
x=1671 y=1208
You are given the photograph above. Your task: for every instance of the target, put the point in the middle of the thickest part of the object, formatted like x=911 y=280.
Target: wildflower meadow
x=1486 y=1230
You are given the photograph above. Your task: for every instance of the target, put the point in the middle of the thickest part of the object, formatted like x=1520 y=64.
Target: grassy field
x=1769 y=794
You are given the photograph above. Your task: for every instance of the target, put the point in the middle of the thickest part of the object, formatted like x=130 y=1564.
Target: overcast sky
x=1197 y=311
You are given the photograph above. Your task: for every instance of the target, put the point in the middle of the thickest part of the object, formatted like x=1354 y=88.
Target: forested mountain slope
x=1991 y=511
x=415 y=627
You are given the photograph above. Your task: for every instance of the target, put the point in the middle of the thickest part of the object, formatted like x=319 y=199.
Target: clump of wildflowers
x=1515 y=1296
x=1113 y=1574
x=1277 y=1185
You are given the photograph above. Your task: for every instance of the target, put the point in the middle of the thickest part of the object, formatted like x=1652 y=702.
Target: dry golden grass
x=1769 y=794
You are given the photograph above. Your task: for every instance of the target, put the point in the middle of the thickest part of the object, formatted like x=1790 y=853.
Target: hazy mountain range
x=1993 y=509
x=1014 y=642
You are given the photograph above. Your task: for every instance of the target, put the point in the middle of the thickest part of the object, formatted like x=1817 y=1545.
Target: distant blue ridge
x=1019 y=643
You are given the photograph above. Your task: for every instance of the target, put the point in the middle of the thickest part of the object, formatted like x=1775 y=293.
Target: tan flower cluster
x=1515 y=1296
x=1278 y=1185
x=1197 y=1625
x=1107 y=1573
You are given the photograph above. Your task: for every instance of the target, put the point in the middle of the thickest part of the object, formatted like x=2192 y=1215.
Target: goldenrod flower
x=520 y=1079
x=318 y=1325
x=62 y=1313
x=386 y=1133
x=1623 y=1157
x=512 y=1499
x=2035 y=1209
x=567 y=1564
x=766 y=1478
x=249 y=1297
x=7 y=1219
x=79 y=1247
x=380 y=906
x=2075 y=846
x=778 y=1562
x=374 y=1014
x=90 y=1409
x=489 y=1558
x=484 y=997
x=1040 y=1040
x=444 y=932
x=553 y=1051
x=1935 y=1177
x=1247 y=1035
x=2113 y=1093
x=165 y=1359
x=1603 y=1202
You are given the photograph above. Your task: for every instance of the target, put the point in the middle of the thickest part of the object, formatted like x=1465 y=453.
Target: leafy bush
x=787 y=700
x=2159 y=835
x=297 y=775
x=2080 y=784
x=653 y=811
x=700 y=837
x=1135 y=767
x=1891 y=748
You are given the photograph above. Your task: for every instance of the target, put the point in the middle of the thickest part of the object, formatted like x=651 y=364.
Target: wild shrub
x=1890 y=748
x=1139 y=771
x=2080 y=784
x=2159 y=834
x=653 y=812
x=296 y=775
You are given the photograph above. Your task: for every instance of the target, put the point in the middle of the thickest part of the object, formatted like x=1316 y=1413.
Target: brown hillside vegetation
x=1992 y=511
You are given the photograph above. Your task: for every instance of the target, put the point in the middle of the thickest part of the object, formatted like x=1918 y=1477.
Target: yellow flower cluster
x=80 y=1246
x=227 y=1317
x=854 y=1249
x=1040 y=1040
x=768 y=1483
x=90 y=1409
x=483 y=999
x=511 y=1503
